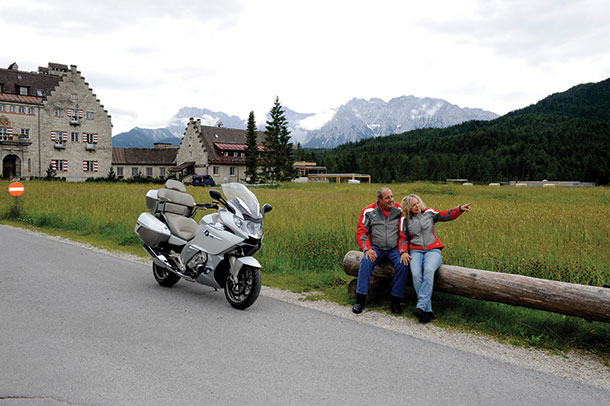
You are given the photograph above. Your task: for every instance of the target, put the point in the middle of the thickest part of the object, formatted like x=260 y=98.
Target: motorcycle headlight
x=255 y=229
x=238 y=222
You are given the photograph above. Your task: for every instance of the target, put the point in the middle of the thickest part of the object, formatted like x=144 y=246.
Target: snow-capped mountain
x=361 y=118
x=178 y=122
x=352 y=121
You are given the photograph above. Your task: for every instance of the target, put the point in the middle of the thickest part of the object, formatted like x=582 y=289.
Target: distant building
x=148 y=162
x=304 y=168
x=213 y=150
x=52 y=118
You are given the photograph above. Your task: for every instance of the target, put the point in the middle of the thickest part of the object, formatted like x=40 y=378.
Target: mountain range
x=356 y=120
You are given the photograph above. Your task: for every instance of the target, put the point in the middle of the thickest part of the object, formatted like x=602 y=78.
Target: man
x=377 y=235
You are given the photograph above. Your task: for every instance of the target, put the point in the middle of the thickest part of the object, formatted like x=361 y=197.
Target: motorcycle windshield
x=242 y=197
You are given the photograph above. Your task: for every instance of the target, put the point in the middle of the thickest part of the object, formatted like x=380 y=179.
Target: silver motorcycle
x=217 y=252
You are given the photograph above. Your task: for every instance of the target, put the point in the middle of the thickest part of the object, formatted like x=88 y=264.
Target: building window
x=31 y=110
x=29 y=165
x=232 y=171
x=39 y=92
x=2 y=107
x=4 y=134
x=74 y=137
x=119 y=171
x=74 y=96
x=89 y=166
x=59 y=165
x=89 y=115
x=161 y=172
x=11 y=109
x=135 y=171
x=22 y=109
x=90 y=138
x=225 y=153
x=149 y=172
x=23 y=90
x=215 y=170
x=25 y=132
x=57 y=112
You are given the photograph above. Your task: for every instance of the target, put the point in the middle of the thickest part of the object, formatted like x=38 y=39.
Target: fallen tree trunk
x=589 y=302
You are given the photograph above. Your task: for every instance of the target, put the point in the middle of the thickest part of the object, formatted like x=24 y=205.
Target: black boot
x=395 y=306
x=359 y=305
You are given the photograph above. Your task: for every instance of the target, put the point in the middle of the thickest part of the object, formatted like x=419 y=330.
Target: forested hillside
x=565 y=136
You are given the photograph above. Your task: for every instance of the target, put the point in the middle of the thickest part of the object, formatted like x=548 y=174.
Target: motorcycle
x=217 y=252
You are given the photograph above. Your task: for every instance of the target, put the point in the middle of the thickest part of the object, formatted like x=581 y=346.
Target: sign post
x=16 y=189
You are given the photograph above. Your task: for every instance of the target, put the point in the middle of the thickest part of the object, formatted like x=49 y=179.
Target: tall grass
x=560 y=234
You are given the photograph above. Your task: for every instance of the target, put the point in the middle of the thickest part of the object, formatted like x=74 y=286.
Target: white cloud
x=316 y=121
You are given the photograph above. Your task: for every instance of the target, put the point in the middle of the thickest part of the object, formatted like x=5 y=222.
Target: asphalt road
x=80 y=327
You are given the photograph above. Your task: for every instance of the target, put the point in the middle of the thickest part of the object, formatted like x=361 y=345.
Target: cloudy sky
x=146 y=59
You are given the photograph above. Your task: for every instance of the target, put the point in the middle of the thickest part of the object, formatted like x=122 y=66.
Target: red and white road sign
x=16 y=189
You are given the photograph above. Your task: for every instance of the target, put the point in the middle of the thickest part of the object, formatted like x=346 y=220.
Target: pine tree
x=278 y=148
x=251 y=150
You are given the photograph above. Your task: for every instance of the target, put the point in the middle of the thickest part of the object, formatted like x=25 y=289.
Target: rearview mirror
x=266 y=208
x=215 y=194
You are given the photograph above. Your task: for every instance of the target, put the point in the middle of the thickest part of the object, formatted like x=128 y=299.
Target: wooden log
x=378 y=288
x=589 y=302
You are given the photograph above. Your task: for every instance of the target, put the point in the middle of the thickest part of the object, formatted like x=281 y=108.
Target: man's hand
x=405 y=258
x=371 y=255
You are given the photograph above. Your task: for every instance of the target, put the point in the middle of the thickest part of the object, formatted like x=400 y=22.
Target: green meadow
x=552 y=233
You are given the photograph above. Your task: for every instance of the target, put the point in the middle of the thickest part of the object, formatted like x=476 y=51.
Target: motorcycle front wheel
x=244 y=293
x=164 y=277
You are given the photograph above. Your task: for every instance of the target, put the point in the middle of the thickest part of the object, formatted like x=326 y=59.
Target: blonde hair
x=406 y=205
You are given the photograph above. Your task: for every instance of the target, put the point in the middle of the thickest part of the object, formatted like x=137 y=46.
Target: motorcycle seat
x=178 y=206
x=175 y=198
x=180 y=226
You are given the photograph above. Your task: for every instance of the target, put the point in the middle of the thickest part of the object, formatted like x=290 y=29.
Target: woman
x=420 y=246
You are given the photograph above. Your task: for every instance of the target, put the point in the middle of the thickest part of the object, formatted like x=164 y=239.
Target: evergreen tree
x=251 y=150
x=51 y=173
x=278 y=148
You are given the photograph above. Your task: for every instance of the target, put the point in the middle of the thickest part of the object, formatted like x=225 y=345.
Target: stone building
x=148 y=162
x=52 y=118
x=216 y=151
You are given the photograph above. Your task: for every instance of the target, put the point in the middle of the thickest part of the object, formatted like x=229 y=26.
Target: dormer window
x=39 y=92
x=23 y=90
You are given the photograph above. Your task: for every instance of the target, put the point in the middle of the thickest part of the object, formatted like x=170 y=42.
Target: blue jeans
x=423 y=267
x=366 y=270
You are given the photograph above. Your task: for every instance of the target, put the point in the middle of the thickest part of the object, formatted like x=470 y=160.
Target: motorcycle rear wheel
x=164 y=277
x=243 y=294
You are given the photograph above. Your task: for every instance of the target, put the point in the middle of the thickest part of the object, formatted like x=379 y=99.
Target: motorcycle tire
x=243 y=294
x=164 y=277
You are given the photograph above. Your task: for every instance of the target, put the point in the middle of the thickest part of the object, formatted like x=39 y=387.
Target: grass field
x=552 y=233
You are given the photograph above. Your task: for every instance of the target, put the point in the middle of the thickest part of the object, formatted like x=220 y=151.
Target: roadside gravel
x=582 y=367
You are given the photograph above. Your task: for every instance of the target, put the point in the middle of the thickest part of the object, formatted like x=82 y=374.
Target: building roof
x=218 y=139
x=17 y=98
x=38 y=84
x=144 y=156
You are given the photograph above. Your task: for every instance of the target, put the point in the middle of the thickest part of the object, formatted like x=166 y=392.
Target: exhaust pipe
x=161 y=261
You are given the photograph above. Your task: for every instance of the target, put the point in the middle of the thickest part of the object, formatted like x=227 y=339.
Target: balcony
x=14 y=140
x=60 y=145
x=90 y=147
